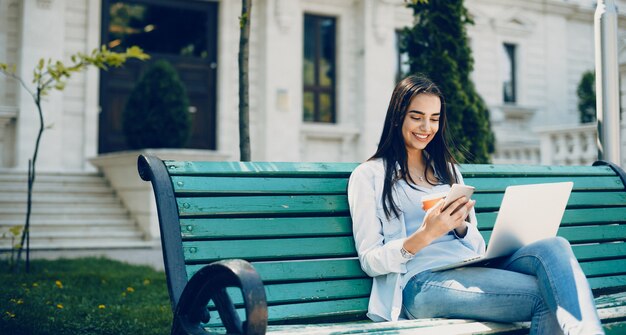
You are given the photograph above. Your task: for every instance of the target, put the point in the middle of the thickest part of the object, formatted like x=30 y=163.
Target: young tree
x=244 y=84
x=587 y=97
x=48 y=76
x=438 y=47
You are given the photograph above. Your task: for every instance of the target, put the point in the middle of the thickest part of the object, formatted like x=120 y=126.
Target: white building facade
x=552 y=43
x=321 y=75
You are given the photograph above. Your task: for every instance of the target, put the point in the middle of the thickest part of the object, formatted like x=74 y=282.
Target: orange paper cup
x=430 y=200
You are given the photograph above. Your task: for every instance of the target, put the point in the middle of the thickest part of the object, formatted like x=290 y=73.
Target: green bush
x=586 y=92
x=156 y=114
x=438 y=47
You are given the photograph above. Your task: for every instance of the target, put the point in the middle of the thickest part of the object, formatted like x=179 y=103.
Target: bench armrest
x=210 y=283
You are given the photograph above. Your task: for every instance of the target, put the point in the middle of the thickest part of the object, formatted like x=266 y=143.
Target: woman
x=398 y=242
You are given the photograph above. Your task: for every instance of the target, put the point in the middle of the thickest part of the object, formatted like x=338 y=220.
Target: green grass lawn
x=84 y=296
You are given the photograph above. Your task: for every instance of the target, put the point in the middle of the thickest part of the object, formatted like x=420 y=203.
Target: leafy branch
x=51 y=75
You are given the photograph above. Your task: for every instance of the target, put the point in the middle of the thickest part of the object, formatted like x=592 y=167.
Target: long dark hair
x=392 y=149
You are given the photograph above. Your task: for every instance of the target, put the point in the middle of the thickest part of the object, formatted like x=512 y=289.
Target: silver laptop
x=528 y=213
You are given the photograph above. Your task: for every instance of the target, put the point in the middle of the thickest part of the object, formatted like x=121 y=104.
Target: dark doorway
x=181 y=32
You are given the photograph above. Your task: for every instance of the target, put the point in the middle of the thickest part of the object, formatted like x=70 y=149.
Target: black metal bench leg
x=210 y=284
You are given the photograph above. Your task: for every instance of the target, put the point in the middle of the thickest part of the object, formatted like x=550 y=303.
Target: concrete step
x=58 y=199
x=18 y=188
x=70 y=211
x=82 y=230
x=127 y=232
x=53 y=209
x=53 y=176
x=71 y=223
x=83 y=243
x=73 y=216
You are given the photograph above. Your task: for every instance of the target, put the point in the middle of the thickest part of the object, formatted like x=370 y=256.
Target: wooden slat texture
x=259 y=169
x=494 y=171
x=289 y=205
x=492 y=201
x=572 y=217
x=598 y=283
x=262 y=227
x=604 y=268
x=251 y=206
x=268 y=249
x=302 y=270
x=486 y=184
x=250 y=185
x=588 y=252
x=585 y=234
x=322 y=310
x=312 y=291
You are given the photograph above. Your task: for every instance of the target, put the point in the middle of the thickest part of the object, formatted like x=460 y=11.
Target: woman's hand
x=439 y=222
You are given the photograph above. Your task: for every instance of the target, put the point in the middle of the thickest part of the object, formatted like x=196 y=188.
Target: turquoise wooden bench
x=271 y=244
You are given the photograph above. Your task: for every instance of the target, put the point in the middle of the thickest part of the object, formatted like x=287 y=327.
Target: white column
x=376 y=70
x=279 y=79
x=42 y=37
x=92 y=91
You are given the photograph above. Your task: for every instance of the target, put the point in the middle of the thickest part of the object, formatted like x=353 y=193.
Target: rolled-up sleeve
x=376 y=257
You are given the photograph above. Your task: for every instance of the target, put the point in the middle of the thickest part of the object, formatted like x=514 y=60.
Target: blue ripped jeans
x=542 y=283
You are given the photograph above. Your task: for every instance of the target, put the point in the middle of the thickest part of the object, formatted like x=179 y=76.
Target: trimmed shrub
x=156 y=113
x=586 y=92
x=438 y=47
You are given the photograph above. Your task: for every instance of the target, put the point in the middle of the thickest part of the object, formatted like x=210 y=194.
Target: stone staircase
x=70 y=211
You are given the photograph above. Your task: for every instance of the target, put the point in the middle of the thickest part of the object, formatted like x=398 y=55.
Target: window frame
x=510 y=52
x=317 y=89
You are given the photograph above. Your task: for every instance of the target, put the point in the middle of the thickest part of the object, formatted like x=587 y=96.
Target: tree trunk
x=244 y=106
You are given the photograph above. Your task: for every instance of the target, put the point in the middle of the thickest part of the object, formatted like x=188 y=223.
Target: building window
x=319 y=69
x=402 y=67
x=509 y=68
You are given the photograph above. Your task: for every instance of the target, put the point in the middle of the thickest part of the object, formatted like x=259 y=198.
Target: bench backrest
x=292 y=222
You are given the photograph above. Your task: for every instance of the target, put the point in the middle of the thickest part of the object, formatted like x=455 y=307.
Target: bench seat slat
x=268 y=249
x=588 y=252
x=189 y=168
x=291 y=205
x=603 y=268
x=572 y=217
x=585 y=234
x=302 y=270
x=489 y=184
x=599 y=283
x=350 y=267
x=492 y=171
x=290 y=293
x=269 y=185
x=328 y=311
x=251 y=185
x=336 y=247
x=492 y=201
x=262 y=227
x=250 y=206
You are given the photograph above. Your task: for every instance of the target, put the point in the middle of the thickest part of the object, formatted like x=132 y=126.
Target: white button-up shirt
x=379 y=240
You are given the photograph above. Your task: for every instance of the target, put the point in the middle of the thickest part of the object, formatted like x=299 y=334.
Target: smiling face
x=421 y=122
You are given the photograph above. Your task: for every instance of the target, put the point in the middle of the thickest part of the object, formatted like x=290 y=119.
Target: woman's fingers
x=456 y=205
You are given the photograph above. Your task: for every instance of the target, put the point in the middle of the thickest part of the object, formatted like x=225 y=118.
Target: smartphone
x=457 y=191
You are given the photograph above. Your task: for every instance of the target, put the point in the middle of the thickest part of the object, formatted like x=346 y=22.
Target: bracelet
x=406 y=254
